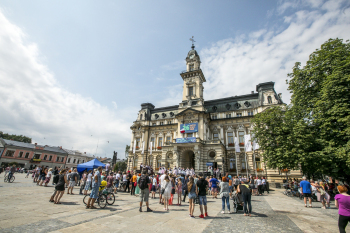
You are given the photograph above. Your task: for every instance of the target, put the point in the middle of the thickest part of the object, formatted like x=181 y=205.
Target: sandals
x=87 y=207
x=93 y=207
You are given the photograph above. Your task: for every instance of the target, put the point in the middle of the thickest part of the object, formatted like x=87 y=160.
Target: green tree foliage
x=127 y=148
x=19 y=138
x=313 y=133
x=120 y=166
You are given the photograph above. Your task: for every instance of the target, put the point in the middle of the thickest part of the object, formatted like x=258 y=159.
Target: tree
x=120 y=166
x=19 y=138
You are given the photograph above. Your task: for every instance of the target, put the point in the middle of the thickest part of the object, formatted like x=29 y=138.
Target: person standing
x=128 y=178
x=133 y=183
x=214 y=187
x=184 y=188
x=202 y=188
x=247 y=197
x=48 y=177
x=305 y=189
x=95 y=186
x=191 y=187
x=154 y=187
x=225 y=195
x=260 y=186
x=60 y=186
x=342 y=202
x=108 y=166
x=73 y=178
x=161 y=180
x=110 y=180
x=144 y=184
x=166 y=191
x=137 y=188
x=179 y=191
x=88 y=182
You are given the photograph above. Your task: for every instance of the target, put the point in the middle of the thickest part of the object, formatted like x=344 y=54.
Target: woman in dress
x=48 y=177
x=179 y=191
x=60 y=186
x=342 y=202
x=166 y=186
x=191 y=195
x=137 y=189
x=88 y=182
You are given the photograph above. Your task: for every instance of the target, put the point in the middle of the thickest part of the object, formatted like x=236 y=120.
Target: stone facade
x=219 y=122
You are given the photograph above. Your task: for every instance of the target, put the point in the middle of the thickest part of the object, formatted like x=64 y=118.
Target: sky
x=74 y=73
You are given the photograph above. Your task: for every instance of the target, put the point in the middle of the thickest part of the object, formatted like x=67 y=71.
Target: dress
x=167 y=186
x=60 y=186
x=137 y=190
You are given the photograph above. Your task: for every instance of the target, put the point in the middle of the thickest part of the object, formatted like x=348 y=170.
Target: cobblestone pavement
x=24 y=207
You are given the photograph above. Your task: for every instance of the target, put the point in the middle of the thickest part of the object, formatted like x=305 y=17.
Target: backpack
x=55 y=179
x=143 y=182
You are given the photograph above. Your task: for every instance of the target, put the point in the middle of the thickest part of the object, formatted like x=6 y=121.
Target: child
x=103 y=184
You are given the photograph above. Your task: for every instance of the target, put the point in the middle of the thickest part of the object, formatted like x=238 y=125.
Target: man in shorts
x=201 y=190
x=73 y=178
x=214 y=186
x=305 y=189
x=144 y=185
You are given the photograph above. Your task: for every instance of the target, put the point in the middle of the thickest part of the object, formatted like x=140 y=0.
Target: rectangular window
x=83 y=161
x=69 y=160
x=74 y=160
x=10 y=153
x=250 y=113
x=153 y=144
x=168 y=140
x=37 y=156
x=169 y=122
x=27 y=155
x=239 y=114
x=62 y=159
x=154 y=124
x=230 y=139
x=191 y=67
x=241 y=137
x=216 y=136
x=57 y=159
x=215 y=116
x=20 y=154
x=189 y=135
x=190 y=91
x=78 y=161
x=45 y=157
x=228 y=115
x=138 y=143
x=160 y=142
x=50 y=158
x=161 y=123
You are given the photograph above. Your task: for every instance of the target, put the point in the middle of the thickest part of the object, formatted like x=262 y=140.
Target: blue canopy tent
x=90 y=165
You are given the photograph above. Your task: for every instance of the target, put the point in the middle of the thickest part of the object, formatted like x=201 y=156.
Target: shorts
x=144 y=194
x=202 y=200
x=230 y=188
x=42 y=177
x=94 y=192
x=192 y=195
x=36 y=175
x=71 y=184
x=153 y=188
x=215 y=190
x=87 y=185
x=307 y=195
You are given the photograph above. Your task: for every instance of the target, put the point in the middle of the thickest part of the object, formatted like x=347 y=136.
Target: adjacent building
x=76 y=157
x=198 y=133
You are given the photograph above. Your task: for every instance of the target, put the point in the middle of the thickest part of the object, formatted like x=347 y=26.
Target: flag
x=143 y=147
x=133 y=150
x=237 y=145
x=150 y=148
x=247 y=143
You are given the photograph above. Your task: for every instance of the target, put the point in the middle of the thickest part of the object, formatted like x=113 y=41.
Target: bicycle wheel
x=102 y=201
x=85 y=199
x=12 y=179
x=110 y=198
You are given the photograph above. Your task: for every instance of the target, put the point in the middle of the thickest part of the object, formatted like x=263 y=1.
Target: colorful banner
x=185 y=140
x=189 y=128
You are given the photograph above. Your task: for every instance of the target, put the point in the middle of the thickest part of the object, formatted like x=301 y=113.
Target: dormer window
x=190 y=91
x=140 y=117
x=191 y=67
x=269 y=99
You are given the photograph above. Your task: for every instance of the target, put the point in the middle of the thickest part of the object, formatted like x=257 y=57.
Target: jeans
x=10 y=175
x=227 y=199
x=132 y=188
x=247 y=198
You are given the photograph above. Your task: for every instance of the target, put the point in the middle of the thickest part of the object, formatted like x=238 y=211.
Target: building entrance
x=188 y=159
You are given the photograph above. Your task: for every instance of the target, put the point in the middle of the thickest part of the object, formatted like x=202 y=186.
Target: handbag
x=135 y=184
x=163 y=190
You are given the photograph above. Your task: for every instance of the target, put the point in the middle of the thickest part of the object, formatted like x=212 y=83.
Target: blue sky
x=82 y=68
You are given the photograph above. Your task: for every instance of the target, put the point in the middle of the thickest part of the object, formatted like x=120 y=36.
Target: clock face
x=191 y=56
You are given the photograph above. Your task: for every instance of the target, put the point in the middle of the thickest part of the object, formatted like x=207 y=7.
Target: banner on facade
x=134 y=148
x=189 y=128
x=209 y=164
x=247 y=143
x=143 y=147
x=237 y=145
x=150 y=147
x=255 y=144
x=186 y=140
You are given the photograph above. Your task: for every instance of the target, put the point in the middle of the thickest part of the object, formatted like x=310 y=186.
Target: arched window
x=232 y=164
x=269 y=99
x=159 y=162
x=140 y=117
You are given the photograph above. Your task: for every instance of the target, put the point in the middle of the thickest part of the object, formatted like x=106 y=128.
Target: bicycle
x=6 y=179
x=110 y=195
x=101 y=200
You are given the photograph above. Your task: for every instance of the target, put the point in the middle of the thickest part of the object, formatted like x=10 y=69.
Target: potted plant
x=137 y=147
x=259 y=170
x=241 y=143
x=231 y=144
x=159 y=148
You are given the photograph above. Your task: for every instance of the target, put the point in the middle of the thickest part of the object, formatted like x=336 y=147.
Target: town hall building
x=198 y=133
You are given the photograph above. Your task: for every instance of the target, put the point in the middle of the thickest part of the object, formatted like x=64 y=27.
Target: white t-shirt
x=107 y=166
x=49 y=174
x=117 y=177
x=258 y=182
x=161 y=179
x=154 y=182
x=89 y=177
x=263 y=181
x=124 y=178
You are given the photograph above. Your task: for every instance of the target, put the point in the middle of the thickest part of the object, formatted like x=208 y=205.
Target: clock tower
x=193 y=77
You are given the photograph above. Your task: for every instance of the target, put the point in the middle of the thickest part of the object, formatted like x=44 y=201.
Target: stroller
x=237 y=202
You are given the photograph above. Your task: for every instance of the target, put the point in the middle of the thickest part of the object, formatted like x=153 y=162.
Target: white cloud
x=34 y=104
x=235 y=66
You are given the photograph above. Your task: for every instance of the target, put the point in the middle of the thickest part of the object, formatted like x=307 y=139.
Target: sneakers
x=206 y=215
x=223 y=211
x=140 y=209
x=149 y=210
x=201 y=216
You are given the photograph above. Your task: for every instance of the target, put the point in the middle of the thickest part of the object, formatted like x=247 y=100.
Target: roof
x=19 y=144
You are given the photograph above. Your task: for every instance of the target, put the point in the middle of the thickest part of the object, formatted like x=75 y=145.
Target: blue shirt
x=306 y=186
x=97 y=173
x=214 y=182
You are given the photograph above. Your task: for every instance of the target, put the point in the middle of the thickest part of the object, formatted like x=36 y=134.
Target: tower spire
x=191 y=39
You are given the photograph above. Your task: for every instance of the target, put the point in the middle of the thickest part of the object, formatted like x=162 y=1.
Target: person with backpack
x=144 y=184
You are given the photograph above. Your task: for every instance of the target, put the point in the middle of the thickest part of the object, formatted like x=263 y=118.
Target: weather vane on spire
x=191 y=39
